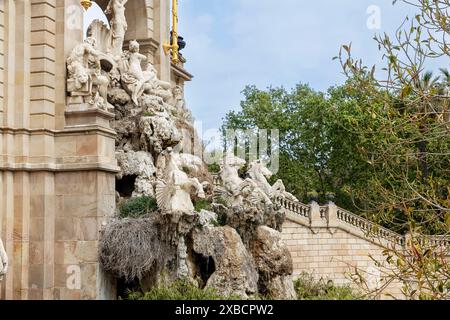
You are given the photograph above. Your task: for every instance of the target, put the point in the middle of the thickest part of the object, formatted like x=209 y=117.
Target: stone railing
x=331 y=216
x=216 y=180
x=434 y=241
x=294 y=207
x=370 y=228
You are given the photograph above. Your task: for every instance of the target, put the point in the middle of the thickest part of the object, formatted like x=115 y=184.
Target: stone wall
x=57 y=164
x=57 y=168
x=331 y=243
x=2 y=57
x=331 y=254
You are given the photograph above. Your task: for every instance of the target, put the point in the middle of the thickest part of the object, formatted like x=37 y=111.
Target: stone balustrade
x=331 y=216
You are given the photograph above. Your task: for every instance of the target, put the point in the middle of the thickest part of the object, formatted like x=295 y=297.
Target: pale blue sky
x=233 y=43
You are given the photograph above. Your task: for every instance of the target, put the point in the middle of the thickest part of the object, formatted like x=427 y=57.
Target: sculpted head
x=259 y=166
x=134 y=46
x=178 y=91
x=231 y=160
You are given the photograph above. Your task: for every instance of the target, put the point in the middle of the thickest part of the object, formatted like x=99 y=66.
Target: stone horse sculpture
x=237 y=191
x=173 y=192
x=259 y=173
x=3 y=261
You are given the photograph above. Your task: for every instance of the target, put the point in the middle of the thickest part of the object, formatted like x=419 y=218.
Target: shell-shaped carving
x=102 y=33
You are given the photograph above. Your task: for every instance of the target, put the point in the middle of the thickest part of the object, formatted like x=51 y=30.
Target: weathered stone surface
x=207 y=218
x=135 y=163
x=118 y=96
x=139 y=164
x=235 y=272
x=274 y=263
x=281 y=287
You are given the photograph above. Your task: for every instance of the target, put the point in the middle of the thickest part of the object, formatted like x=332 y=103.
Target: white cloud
x=268 y=42
x=233 y=43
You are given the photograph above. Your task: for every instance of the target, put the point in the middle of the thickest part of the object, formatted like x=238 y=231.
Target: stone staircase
x=331 y=216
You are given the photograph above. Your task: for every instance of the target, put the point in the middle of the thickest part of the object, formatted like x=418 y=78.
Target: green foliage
x=354 y=139
x=422 y=270
x=179 y=290
x=202 y=204
x=401 y=122
x=316 y=151
x=313 y=195
x=138 y=207
x=308 y=288
x=214 y=168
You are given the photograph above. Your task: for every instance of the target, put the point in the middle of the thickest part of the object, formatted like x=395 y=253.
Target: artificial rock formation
x=231 y=267
x=153 y=125
x=248 y=207
x=274 y=263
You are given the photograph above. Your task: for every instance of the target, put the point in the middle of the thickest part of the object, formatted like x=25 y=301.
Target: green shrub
x=202 y=204
x=214 y=168
x=308 y=288
x=138 y=207
x=179 y=290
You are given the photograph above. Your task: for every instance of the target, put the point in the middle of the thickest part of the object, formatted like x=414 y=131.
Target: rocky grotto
x=236 y=248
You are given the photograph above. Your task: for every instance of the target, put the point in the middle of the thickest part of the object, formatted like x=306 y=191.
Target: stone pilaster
x=331 y=215
x=2 y=57
x=57 y=168
x=314 y=215
x=162 y=25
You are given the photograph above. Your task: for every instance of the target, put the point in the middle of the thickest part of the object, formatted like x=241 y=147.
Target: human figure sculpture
x=119 y=26
x=180 y=103
x=85 y=76
x=3 y=260
x=158 y=87
x=137 y=81
x=173 y=192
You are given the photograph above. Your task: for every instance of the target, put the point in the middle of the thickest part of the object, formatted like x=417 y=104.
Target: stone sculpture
x=150 y=116
x=180 y=104
x=86 y=82
x=137 y=81
x=3 y=261
x=237 y=191
x=173 y=193
x=259 y=173
x=119 y=25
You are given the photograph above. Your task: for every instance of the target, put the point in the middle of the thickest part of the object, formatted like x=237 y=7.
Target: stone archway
x=149 y=23
x=139 y=17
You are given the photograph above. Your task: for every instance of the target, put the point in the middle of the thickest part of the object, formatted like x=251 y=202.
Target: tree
x=410 y=159
x=412 y=124
x=315 y=152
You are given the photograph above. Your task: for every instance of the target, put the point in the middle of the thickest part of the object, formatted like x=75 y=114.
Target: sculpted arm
x=142 y=57
x=108 y=8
